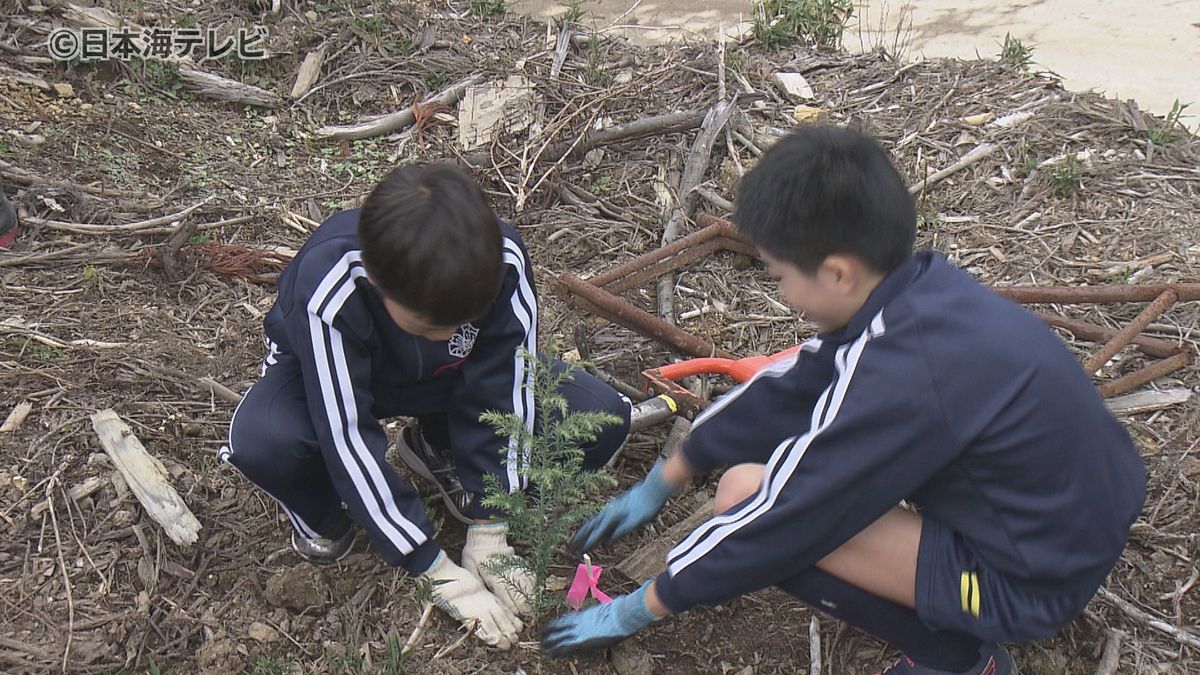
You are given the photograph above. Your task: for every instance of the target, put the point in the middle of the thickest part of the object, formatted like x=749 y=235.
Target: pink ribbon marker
x=587 y=578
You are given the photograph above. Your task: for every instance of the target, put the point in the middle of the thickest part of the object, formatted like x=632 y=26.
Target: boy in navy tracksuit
x=415 y=305
x=921 y=386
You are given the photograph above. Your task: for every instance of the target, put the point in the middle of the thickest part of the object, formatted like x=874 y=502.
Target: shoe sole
x=414 y=462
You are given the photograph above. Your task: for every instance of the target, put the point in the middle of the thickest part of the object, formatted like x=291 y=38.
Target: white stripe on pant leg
x=350 y=268
x=369 y=461
x=334 y=415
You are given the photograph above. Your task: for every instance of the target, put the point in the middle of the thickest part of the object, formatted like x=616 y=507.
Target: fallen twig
x=650 y=126
x=136 y=227
x=419 y=630
x=979 y=152
x=1180 y=635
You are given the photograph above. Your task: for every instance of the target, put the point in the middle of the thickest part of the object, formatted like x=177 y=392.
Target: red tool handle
x=740 y=370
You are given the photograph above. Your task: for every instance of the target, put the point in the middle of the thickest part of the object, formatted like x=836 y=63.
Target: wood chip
x=147 y=477
x=76 y=492
x=1146 y=401
x=17 y=417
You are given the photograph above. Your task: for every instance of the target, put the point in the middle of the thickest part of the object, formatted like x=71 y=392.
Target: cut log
x=649 y=560
x=146 y=477
x=1146 y=401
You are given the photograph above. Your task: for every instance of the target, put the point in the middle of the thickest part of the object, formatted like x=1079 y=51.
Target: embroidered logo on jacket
x=463 y=341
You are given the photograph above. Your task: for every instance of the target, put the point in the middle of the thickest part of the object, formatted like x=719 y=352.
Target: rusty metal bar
x=1096 y=361
x=740 y=246
x=661 y=267
x=605 y=304
x=1083 y=330
x=1148 y=374
x=1078 y=295
x=651 y=257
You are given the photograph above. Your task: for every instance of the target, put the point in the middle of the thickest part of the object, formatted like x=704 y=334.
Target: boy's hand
x=636 y=507
x=598 y=626
x=484 y=542
x=463 y=597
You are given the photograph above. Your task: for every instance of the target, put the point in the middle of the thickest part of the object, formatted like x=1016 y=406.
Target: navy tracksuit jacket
x=939 y=392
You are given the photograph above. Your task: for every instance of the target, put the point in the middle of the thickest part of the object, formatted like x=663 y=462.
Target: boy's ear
x=843 y=272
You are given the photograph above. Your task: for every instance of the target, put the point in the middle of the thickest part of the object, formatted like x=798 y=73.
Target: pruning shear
x=673 y=398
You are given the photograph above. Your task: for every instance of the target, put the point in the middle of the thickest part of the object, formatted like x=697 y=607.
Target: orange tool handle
x=740 y=370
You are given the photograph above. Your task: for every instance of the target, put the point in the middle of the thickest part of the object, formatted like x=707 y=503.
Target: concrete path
x=1144 y=50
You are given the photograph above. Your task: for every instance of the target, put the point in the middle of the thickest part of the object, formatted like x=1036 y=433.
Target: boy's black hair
x=825 y=190
x=431 y=242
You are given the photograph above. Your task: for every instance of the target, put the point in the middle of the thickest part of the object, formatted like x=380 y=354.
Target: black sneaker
x=8 y=222
x=435 y=467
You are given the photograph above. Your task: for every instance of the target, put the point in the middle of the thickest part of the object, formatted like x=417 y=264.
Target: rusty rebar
x=1148 y=374
x=1152 y=311
x=640 y=262
x=1150 y=346
x=1078 y=295
x=602 y=303
x=661 y=267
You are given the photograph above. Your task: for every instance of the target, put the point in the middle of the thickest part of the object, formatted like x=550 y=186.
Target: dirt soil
x=1084 y=190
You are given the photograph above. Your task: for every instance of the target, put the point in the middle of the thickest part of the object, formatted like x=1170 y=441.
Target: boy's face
x=831 y=295
x=415 y=324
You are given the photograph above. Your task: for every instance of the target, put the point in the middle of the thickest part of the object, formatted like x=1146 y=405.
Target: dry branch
x=694 y=169
x=814 y=645
x=650 y=126
x=1180 y=635
x=224 y=89
x=1111 y=659
x=146 y=477
x=979 y=152
x=398 y=120
x=141 y=226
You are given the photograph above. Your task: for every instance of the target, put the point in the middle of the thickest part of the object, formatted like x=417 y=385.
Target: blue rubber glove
x=598 y=626
x=636 y=507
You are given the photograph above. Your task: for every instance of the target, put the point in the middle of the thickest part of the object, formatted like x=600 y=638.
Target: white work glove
x=485 y=541
x=463 y=597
